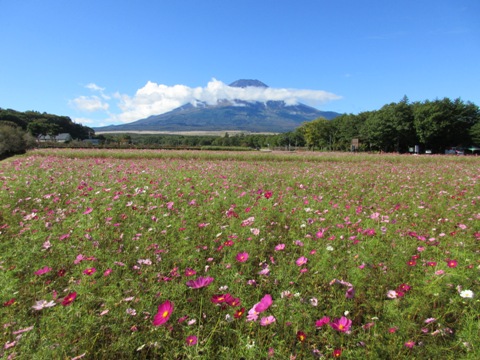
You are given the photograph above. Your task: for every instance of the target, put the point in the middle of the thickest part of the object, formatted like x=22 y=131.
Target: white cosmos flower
x=466 y=294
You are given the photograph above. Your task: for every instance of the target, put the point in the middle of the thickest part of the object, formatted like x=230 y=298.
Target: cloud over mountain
x=155 y=99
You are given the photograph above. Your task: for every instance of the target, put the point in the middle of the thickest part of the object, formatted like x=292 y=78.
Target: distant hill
x=252 y=116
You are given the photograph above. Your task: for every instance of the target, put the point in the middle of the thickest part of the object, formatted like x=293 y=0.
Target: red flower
x=9 y=302
x=411 y=262
x=70 y=298
x=239 y=313
x=268 y=194
x=337 y=352
x=234 y=301
x=301 y=336
x=218 y=299
x=164 y=312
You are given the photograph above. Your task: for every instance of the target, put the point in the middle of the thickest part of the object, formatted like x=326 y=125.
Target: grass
x=390 y=242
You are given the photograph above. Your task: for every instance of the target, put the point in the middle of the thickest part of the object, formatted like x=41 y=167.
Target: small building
x=60 y=138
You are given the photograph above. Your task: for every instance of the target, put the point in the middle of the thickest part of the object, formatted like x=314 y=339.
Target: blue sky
x=110 y=62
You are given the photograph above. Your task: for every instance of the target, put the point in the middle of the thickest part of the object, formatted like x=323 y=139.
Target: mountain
x=252 y=116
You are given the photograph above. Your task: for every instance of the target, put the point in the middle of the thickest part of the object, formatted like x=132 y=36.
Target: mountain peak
x=243 y=83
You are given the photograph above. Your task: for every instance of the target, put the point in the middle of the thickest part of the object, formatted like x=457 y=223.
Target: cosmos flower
x=43 y=270
x=42 y=304
x=164 y=312
x=265 y=321
x=89 y=271
x=323 y=321
x=279 y=247
x=264 y=304
x=242 y=257
x=343 y=324
x=69 y=299
x=301 y=336
x=191 y=340
x=466 y=294
x=199 y=282
x=452 y=263
x=302 y=260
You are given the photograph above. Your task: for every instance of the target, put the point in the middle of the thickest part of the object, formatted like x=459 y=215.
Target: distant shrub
x=13 y=140
x=226 y=148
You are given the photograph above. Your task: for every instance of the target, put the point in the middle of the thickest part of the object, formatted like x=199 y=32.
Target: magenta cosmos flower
x=164 y=312
x=43 y=270
x=199 y=282
x=89 y=271
x=242 y=257
x=264 y=304
x=191 y=340
x=343 y=324
x=323 y=321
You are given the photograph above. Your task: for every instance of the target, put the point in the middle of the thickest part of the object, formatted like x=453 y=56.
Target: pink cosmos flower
x=302 y=260
x=107 y=272
x=191 y=340
x=164 y=312
x=265 y=321
x=410 y=344
x=252 y=315
x=242 y=257
x=323 y=321
x=190 y=272
x=88 y=211
x=200 y=282
x=264 y=304
x=279 y=247
x=343 y=324
x=43 y=270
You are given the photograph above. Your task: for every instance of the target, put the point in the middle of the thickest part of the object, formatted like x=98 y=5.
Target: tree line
x=435 y=125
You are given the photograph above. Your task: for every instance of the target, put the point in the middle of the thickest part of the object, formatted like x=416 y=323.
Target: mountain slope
x=270 y=116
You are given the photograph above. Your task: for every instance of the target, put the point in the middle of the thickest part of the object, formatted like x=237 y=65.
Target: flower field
x=191 y=255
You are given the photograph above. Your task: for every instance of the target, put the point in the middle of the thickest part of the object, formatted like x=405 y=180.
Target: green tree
x=443 y=123
x=13 y=140
x=317 y=133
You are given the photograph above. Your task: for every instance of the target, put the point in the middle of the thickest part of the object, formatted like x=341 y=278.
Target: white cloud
x=155 y=99
x=89 y=103
x=94 y=87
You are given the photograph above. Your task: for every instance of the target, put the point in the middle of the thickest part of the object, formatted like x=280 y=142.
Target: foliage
x=13 y=140
x=46 y=124
x=435 y=125
x=215 y=255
